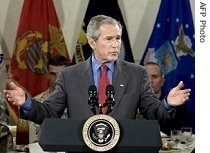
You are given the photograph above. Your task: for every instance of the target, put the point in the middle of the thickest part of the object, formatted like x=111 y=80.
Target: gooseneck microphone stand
x=93 y=98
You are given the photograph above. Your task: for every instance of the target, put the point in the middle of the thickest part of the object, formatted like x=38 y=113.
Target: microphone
x=93 y=98
x=110 y=97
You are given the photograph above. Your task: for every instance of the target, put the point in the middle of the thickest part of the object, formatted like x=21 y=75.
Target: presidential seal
x=101 y=132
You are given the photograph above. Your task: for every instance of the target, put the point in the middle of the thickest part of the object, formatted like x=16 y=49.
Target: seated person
x=156 y=75
x=55 y=65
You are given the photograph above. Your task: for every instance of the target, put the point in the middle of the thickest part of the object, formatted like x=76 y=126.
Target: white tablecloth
x=181 y=148
x=35 y=148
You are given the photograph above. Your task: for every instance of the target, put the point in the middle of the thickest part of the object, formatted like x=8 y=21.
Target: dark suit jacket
x=132 y=91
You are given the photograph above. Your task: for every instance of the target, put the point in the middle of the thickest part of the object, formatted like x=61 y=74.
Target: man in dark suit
x=131 y=83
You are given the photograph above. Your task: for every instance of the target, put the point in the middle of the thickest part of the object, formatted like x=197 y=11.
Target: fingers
x=9 y=95
x=186 y=91
x=12 y=85
x=186 y=94
x=11 y=92
x=180 y=85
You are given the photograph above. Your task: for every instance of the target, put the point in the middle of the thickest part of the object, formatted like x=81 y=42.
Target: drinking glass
x=22 y=132
x=186 y=135
x=176 y=137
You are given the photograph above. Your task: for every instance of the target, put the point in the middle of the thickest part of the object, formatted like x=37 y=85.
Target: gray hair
x=95 y=24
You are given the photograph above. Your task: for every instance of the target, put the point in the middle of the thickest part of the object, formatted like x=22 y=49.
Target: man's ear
x=92 y=43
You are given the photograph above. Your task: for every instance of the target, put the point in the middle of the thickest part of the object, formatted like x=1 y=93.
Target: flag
x=38 y=37
x=109 y=8
x=172 y=46
x=3 y=73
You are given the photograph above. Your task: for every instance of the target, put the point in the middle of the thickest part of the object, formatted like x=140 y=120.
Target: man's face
x=53 y=72
x=107 y=47
x=156 y=77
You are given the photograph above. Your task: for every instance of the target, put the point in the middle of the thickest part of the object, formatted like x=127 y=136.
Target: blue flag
x=172 y=46
x=109 y=8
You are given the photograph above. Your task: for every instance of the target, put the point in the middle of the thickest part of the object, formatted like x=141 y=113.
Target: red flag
x=38 y=37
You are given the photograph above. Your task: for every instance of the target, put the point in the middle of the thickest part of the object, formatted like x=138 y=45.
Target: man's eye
x=109 y=38
x=118 y=38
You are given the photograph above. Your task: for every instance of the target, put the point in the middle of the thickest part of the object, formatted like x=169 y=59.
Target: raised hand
x=178 y=96
x=15 y=94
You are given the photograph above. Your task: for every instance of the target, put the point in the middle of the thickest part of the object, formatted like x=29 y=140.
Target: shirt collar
x=96 y=64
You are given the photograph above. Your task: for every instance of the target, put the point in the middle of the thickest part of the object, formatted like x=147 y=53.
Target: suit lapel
x=119 y=83
x=85 y=78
